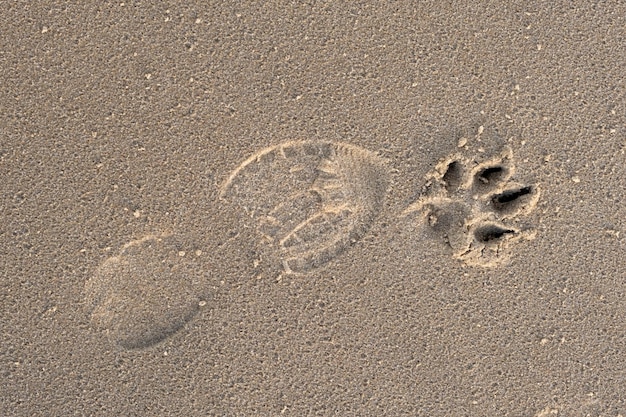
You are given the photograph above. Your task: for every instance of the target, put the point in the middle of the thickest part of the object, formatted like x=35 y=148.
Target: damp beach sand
x=323 y=208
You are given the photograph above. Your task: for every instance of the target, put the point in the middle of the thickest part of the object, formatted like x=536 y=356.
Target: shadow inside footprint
x=490 y=177
x=453 y=176
x=491 y=233
x=514 y=201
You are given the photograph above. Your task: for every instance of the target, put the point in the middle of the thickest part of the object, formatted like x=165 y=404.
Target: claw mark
x=491 y=232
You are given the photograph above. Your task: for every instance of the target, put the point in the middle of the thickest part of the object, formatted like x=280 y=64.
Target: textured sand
x=358 y=209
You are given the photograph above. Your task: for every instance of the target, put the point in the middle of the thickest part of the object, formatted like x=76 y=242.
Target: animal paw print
x=475 y=207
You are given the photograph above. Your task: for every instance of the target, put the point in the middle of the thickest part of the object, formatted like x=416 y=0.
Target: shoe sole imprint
x=144 y=294
x=310 y=200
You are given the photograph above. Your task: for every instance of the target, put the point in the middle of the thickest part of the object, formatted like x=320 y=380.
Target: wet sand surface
x=359 y=209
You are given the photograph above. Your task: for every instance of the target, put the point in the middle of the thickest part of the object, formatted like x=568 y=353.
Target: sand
x=354 y=209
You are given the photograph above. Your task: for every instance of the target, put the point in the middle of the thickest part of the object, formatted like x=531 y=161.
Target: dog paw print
x=475 y=207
